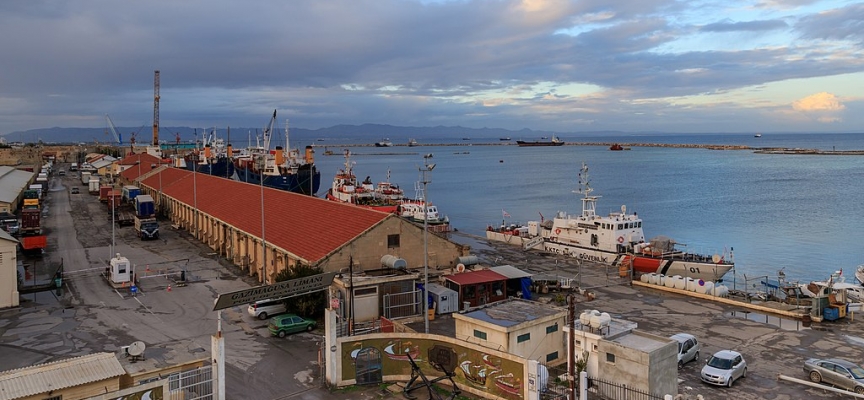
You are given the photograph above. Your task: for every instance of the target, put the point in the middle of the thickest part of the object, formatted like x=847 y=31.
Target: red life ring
x=620 y=239
x=558 y=231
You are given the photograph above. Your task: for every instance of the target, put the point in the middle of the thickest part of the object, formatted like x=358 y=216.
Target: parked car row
x=280 y=325
x=726 y=366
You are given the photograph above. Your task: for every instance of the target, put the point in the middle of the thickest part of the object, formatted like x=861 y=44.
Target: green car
x=289 y=323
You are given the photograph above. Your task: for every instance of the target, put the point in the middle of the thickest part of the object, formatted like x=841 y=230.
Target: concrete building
x=296 y=229
x=8 y=271
x=390 y=293
x=520 y=327
x=76 y=378
x=618 y=352
x=13 y=182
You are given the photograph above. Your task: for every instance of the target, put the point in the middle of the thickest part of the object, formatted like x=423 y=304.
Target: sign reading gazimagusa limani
x=280 y=290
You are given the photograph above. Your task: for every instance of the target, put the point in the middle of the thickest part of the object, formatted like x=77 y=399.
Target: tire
x=730 y=382
x=859 y=389
x=696 y=358
x=281 y=334
x=680 y=364
x=309 y=328
x=815 y=376
x=744 y=375
x=262 y=316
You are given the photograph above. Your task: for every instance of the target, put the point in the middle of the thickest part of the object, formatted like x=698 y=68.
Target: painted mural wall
x=484 y=370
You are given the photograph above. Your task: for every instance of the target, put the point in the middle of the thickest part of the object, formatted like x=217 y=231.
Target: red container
x=114 y=199
x=31 y=219
x=34 y=242
x=103 y=192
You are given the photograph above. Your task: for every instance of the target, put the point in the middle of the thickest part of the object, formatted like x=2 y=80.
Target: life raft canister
x=620 y=239
x=558 y=231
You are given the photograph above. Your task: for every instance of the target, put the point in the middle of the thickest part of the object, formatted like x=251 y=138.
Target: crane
x=113 y=129
x=156 y=108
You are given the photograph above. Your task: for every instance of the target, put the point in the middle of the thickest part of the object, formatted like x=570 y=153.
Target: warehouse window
x=552 y=356
x=480 y=334
x=610 y=358
x=551 y=329
x=392 y=241
x=523 y=338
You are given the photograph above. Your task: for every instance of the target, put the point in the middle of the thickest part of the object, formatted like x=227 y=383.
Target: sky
x=566 y=66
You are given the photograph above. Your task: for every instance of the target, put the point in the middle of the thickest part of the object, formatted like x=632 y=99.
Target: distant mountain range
x=298 y=136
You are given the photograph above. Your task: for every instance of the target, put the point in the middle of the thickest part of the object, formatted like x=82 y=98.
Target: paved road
x=91 y=316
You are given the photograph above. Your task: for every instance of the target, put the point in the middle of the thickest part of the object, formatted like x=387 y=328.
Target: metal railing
x=602 y=389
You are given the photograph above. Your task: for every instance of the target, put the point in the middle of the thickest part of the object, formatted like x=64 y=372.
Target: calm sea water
x=801 y=213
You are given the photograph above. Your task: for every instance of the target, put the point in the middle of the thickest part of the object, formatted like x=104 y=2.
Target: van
x=688 y=348
x=264 y=308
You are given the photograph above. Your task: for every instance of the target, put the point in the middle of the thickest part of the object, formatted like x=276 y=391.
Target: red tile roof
x=308 y=227
x=144 y=158
x=470 y=278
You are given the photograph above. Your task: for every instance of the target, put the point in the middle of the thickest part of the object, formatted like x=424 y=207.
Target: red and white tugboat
x=345 y=189
x=616 y=239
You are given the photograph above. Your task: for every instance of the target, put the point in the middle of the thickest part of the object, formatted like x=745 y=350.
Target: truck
x=93 y=185
x=38 y=188
x=34 y=243
x=130 y=192
x=146 y=228
x=31 y=203
x=145 y=206
x=85 y=177
x=31 y=222
x=103 y=192
x=74 y=167
x=9 y=223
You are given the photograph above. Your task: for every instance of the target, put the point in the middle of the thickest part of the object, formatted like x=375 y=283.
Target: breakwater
x=626 y=146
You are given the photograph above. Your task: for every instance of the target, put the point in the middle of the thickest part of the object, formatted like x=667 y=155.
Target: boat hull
x=538 y=144
x=695 y=269
x=221 y=167
x=306 y=177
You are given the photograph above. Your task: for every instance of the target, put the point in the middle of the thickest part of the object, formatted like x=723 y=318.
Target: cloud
x=748 y=26
x=818 y=102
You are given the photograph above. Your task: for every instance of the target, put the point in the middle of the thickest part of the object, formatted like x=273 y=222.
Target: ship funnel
x=207 y=152
x=310 y=155
x=280 y=156
x=230 y=151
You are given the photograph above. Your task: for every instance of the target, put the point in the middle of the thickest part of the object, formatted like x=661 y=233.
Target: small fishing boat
x=757 y=135
x=509 y=383
x=474 y=374
x=412 y=143
x=399 y=351
x=616 y=147
x=345 y=189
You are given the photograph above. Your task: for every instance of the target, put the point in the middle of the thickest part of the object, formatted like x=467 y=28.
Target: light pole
x=263 y=237
x=426 y=169
x=195 y=202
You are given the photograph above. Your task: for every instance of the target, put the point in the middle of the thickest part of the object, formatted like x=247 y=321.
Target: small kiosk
x=121 y=270
x=477 y=288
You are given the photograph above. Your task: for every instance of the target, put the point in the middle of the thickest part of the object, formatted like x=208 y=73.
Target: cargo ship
x=279 y=169
x=616 y=239
x=552 y=142
x=214 y=159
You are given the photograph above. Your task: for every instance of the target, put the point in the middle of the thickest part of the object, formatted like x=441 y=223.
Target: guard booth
x=478 y=287
x=121 y=270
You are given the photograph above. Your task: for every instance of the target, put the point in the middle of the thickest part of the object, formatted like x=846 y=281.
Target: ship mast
x=589 y=203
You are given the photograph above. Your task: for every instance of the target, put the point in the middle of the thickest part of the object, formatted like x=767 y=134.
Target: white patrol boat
x=616 y=239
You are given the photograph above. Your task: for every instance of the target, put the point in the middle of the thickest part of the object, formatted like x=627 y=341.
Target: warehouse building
x=13 y=182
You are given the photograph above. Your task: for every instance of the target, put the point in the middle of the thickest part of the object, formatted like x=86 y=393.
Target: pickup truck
x=147 y=228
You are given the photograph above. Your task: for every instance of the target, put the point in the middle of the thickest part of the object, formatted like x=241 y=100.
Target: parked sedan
x=840 y=373
x=688 y=348
x=723 y=368
x=289 y=323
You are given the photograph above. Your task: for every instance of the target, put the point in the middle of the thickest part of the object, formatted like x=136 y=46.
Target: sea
x=799 y=214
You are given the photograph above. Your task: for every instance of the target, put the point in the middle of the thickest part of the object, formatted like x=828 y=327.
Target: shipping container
x=31 y=203
x=114 y=198
x=103 y=192
x=30 y=194
x=145 y=206
x=93 y=185
x=31 y=243
x=130 y=192
x=31 y=221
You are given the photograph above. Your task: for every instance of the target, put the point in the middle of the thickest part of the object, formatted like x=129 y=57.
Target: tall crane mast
x=156 y=109
x=117 y=138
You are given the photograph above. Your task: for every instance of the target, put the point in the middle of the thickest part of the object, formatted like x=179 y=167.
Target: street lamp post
x=426 y=169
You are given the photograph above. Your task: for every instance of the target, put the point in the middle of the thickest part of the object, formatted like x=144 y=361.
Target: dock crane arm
x=111 y=126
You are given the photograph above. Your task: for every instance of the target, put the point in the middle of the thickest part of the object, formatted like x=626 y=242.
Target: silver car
x=688 y=348
x=840 y=373
x=723 y=368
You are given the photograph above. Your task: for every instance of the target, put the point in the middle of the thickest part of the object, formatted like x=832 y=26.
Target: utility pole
x=263 y=237
x=571 y=364
x=426 y=168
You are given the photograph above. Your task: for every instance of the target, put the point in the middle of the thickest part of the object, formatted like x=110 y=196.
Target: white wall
x=8 y=274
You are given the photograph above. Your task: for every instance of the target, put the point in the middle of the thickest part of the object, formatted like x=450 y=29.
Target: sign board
x=280 y=290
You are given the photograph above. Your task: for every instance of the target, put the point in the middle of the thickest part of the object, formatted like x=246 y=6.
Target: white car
x=723 y=368
x=265 y=308
x=688 y=348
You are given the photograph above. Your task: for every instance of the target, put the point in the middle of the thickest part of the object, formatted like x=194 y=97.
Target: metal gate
x=368 y=364
x=401 y=305
x=196 y=384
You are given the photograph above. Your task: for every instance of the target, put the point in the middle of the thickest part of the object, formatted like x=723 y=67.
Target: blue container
x=144 y=206
x=831 y=313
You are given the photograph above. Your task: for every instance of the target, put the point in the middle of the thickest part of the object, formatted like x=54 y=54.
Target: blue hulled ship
x=281 y=169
